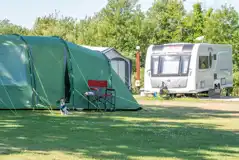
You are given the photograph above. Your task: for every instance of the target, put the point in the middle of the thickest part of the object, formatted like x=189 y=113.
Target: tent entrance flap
x=67 y=85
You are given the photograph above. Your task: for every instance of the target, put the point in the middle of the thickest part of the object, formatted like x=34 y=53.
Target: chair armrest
x=94 y=89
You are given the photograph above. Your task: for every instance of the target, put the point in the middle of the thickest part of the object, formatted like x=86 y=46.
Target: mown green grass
x=170 y=99
x=153 y=133
x=183 y=99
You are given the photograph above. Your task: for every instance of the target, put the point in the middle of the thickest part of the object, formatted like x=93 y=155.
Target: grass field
x=157 y=132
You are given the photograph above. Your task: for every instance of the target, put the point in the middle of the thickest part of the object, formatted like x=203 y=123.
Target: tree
x=6 y=27
x=198 y=20
x=53 y=25
x=222 y=27
x=164 y=21
x=193 y=24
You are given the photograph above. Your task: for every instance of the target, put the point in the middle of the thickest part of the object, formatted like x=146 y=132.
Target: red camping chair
x=99 y=93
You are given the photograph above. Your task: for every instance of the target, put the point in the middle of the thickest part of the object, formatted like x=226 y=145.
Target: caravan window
x=203 y=62
x=169 y=64
x=155 y=65
x=185 y=64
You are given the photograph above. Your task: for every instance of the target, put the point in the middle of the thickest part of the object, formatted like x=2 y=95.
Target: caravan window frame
x=200 y=62
x=209 y=61
x=189 y=61
x=163 y=58
x=153 y=66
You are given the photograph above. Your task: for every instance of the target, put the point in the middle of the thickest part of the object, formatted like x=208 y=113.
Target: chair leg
x=88 y=99
x=115 y=102
x=105 y=100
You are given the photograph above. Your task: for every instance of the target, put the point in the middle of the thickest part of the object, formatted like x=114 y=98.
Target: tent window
x=122 y=71
x=114 y=65
x=120 y=67
x=13 y=65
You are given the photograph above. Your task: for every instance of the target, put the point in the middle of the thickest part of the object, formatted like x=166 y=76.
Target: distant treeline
x=123 y=25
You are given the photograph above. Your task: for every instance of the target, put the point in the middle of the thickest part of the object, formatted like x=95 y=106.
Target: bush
x=235 y=90
x=135 y=90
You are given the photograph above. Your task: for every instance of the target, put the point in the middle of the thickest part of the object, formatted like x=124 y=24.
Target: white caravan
x=186 y=68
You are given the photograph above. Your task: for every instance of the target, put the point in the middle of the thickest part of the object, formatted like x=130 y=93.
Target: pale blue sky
x=24 y=12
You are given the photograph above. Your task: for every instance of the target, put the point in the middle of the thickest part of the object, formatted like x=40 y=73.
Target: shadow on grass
x=183 y=113
x=115 y=136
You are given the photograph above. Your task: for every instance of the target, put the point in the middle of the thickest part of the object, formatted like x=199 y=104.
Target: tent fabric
x=122 y=65
x=36 y=71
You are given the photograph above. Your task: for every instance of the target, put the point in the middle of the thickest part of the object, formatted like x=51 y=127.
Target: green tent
x=36 y=71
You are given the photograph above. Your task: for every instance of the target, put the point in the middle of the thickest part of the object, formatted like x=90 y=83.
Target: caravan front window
x=155 y=65
x=185 y=64
x=173 y=65
x=169 y=64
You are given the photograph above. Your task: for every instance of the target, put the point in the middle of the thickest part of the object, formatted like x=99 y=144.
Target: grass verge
x=172 y=133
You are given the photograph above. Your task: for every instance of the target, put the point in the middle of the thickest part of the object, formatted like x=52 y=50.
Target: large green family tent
x=36 y=71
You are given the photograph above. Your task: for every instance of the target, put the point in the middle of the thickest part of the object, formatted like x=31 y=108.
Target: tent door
x=67 y=84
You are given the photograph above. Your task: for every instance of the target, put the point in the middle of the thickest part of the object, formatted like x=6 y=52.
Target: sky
x=24 y=12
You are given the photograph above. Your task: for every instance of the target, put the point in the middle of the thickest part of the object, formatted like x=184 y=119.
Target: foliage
x=123 y=25
x=53 y=25
x=164 y=22
x=6 y=27
x=135 y=90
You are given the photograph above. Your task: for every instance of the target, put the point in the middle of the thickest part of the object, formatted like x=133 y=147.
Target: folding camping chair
x=99 y=93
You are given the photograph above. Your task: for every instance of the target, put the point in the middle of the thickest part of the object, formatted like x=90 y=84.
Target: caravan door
x=205 y=78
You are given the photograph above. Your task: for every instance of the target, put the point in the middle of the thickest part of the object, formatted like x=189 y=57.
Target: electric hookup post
x=137 y=81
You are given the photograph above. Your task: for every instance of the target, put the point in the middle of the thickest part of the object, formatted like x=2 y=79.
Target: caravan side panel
x=205 y=67
x=224 y=67
x=214 y=66
x=147 y=70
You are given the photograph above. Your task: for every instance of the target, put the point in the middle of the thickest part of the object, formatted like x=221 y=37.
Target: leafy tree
x=198 y=20
x=193 y=24
x=164 y=21
x=222 y=27
x=6 y=27
x=53 y=25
